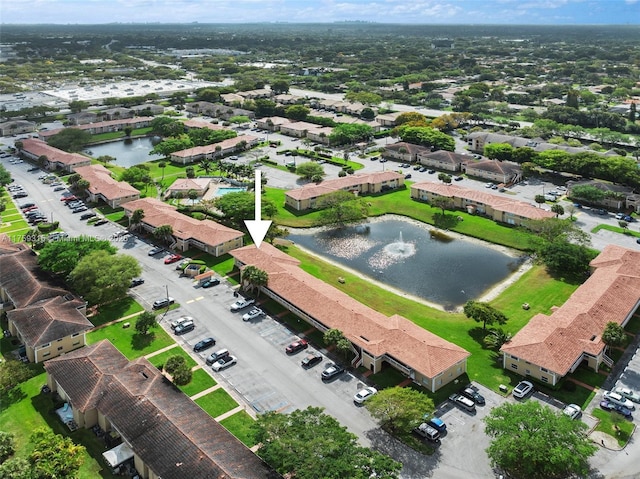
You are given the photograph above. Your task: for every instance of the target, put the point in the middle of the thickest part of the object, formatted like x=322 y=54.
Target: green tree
x=145 y=321
x=445 y=178
x=310 y=170
x=442 y=202
x=237 y=207
x=499 y=151
x=566 y=259
x=5 y=176
x=254 y=277
x=280 y=86
x=136 y=174
x=82 y=186
x=101 y=277
x=16 y=468
x=12 y=373
x=340 y=208
x=336 y=338
x=303 y=443
x=553 y=444
x=483 y=313
x=614 y=335
x=106 y=158
x=411 y=117
x=179 y=369
x=60 y=257
x=70 y=139
x=496 y=338
x=206 y=165
x=540 y=200
x=399 y=409
x=55 y=456
x=190 y=171
x=350 y=133
x=136 y=218
x=77 y=106
x=7 y=445
x=588 y=194
x=557 y=209
x=162 y=165
x=164 y=233
x=192 y=195
x=549 y=230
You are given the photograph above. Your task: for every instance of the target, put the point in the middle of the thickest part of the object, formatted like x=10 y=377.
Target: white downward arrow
x=258 y=228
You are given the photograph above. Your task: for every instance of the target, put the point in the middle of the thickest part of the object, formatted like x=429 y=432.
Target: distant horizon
x=295 y=12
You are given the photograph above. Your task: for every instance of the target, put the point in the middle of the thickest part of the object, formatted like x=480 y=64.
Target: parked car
x=253 y=314
x=572 y=410
x=206 y=343
x=332 y=371
x=172 y=258
x=136 y=282
x=618 y=399
x=177 y=322
x=431 y=172
x=224 y=363
x=473 y=394
x=296 y=346
x=311 y=360
x=101 y=222
x=217 y=355
x=24 y=206
x=242 y=303
x=458 y=178
x=366 y=393
x=427 y=432
x=58 y=188
x=68 y=198
x=155 y=250
x=463 y=402
x=185 y=327
x=163 y=303
x=609 y=406
x=86 y=216
x=522 y=389
x=20 y=194
x=628 y=393
x=437 y=423
x=210 y=282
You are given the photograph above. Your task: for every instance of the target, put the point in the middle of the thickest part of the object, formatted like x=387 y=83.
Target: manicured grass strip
x=239 y=424
x=608 y=426
x=129 y=342
x=633 y=326
x=217 y=402
x=27 y=409
x=616 y=229
x=116 y=310
x=589 y=376
x=159 y=359
x=200 y=381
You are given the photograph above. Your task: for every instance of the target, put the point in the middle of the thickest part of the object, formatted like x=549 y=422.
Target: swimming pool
x=223 y=190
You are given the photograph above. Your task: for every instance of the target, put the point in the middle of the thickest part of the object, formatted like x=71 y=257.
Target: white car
x=628 y=393
x=364 y=394
x=241 y=304
x=522 y=389
x=572 y=410
x=253 y=314
x=174 y=324
x=618 y=399
x=224 y=363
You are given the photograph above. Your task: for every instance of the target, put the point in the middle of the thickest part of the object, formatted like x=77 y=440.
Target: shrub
x=342 y=173
x=48 y=227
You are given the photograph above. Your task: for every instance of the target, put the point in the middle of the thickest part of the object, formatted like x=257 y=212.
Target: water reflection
x=127 y=152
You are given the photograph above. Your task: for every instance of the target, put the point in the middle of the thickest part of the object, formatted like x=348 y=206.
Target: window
x=75 y=334
x=46 y=354
x=527 y=372
x=76 y=343
x=544 y=379
x=544 y=370
x=60 y=348
x=514 y=366
x=45 y=345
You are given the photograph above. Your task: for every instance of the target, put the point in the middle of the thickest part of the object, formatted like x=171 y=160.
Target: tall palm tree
x=162 y=165
x=253 y=277
x=164 y=233
x=206 y=164
x=136 y=218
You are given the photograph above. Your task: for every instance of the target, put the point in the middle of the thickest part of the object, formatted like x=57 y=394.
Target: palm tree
x=136 y=218
x=253 y=277
x=496 y=338
x=164 y=233
x=206 y=165
x=193 y=196
x=162 y=165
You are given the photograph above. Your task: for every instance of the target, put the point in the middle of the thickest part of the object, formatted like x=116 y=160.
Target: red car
x=68 y=198
x=172 y=258
x=296 y=346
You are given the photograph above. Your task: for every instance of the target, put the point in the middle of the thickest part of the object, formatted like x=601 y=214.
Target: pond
x=441 y=269
x=128 y=152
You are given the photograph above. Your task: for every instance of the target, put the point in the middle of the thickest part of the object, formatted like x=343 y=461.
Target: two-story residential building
x=497 y=171
x=168 y=435
x=47 y=318
x=378 y=341
x=616 y=197
x=497 y=207
x=188 y=232
x=182 y=186
x=551 y=346
x=307 y=197
x=16 y=127
x=404 y=152
x=103 y=187
x=55 y=159
x=442 y=159
x=215 y=150
x=271 y=123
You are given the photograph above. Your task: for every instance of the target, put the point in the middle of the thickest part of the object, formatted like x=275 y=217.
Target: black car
x=211 y=282
x=458 y=178
x=311 y=360
x=103 y=221
x=471 y=393
x=136 y=282
x=86 y=216
x=204 y=344
x=20 y=195
x=332 y=371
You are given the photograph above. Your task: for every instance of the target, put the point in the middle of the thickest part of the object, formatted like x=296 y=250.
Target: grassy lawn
x=535 y=287
x=633 y=326
x=116 y=310
x=588 y=376
x=607 y=425
x=239 y=424
x=159 y=359
x=129 y=342
x=217 y=402
x=200 y=381
x=27 y=409
x=616 y=229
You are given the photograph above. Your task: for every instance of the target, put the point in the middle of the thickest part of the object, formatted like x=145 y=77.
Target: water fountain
x=399 y=249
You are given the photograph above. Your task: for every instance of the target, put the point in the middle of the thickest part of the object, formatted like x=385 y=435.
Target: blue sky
x=302 y=11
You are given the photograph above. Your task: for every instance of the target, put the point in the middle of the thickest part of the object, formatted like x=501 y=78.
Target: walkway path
x=162 y=350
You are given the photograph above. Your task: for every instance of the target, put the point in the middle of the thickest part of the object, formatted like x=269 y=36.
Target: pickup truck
x=427 y=432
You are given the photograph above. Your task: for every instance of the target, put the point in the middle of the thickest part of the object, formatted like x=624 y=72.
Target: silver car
x=618 y=399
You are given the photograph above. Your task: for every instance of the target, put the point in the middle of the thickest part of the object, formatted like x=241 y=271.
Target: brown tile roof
x=493 y=166
x=313 y=190
x=167 y=430
x=207 y=149
x=24 y=282
x=499 y=203
x=376 y=333
x=611 y=294
x=101 y=182
x=195 y=123
x=7 y=246
x=410 y=147
x=39 y=148
x=445 y=156
x=157 y=213
x=49 y=319
x=186 y=184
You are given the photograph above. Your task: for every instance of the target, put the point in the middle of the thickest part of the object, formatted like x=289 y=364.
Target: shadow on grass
x=115 y=310
x=478 y=334
x=11 y=397
x=142 y=341
x=445 y=221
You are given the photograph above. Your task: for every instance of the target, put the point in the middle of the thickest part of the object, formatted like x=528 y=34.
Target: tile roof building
x=215 y=150
x=171 y=436
x=33 y=149
x=188 y=232
x=442 y=159
x=306 y=197
x=497 y=171
x=48 y=319
x=497 y=207
x=105 y=126
x=551 y=346
x=182 y=186
x=377 y=339
x=103 y=187
x=403 y=151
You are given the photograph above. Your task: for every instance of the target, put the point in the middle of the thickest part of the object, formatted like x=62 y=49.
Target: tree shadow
x=445 y=221
x=141 y=341
x=478 y=334
x=11 y=397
